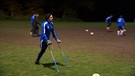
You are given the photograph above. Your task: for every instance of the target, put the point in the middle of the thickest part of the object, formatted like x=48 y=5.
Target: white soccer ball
x=95 y=74
x=30 y=33
x=91 y=33
x=86 y=30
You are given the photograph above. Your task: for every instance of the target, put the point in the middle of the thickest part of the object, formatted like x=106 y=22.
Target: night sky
x=116 y=7
x=103 y=8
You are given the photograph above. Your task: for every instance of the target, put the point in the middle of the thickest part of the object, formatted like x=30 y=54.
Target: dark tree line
x=60 y=8
x=88 y=10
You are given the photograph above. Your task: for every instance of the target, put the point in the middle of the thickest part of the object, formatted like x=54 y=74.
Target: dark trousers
x=43 y=49
x=32 y=27
x=35 y=29
x=109 y=24
x=120 y=28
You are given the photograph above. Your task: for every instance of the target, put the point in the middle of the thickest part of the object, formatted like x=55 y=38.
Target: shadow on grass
x=49 y=65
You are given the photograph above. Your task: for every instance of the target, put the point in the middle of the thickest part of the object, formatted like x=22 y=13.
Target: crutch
x=57 y=69
x=63 y=54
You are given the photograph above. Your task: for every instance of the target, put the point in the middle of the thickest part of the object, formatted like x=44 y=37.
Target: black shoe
x=34 y=35
x=38 y=35
x=37 y=62
x=124 y=34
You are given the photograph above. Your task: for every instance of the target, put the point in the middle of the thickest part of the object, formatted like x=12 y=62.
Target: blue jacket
x=32 y=19
x=121 y=22
x=47 y=29
x=108 y=19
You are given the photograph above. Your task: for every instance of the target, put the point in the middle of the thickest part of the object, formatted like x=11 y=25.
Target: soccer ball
x=95 y=74
x=30 y=33
x=91 y=33
x=86 y=30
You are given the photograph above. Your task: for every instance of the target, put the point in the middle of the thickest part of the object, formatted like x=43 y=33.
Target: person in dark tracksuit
x=47 y=28
x=35 y=23
x=108 y=20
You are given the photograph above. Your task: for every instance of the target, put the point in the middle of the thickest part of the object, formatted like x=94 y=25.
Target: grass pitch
x=108 y=55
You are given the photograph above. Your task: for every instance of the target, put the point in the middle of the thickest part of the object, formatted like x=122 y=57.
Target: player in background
x=35 y=23
x=108 y=20
x=47 y=29
x=121 y=26
x=32 y=23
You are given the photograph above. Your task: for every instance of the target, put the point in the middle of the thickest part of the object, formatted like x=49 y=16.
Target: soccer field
x=104 y=52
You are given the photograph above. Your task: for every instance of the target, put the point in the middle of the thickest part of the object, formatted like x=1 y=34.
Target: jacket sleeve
x=54 y=34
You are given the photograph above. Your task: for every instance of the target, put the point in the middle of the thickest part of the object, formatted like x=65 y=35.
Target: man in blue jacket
x=35 y=23
x=108 y=20
x=47 y=29
x=32 y=23
x=121 y=26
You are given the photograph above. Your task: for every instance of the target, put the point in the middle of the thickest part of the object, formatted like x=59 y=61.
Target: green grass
x=63 y=24
x=18 y=60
